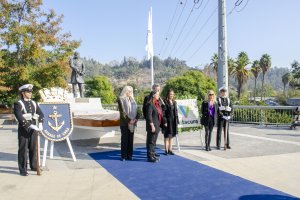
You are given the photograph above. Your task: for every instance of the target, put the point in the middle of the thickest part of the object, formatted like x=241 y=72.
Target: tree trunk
x=239 y=91
x=254 y=93
x=284 y=89
x=262 y=86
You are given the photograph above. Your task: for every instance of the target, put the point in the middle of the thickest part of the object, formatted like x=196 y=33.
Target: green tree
x=3 y=74
x=293 y=84
x=192 y=84
x=231 y=65
x=100 y=86
x=265 y=64
x=33 y=48
x=240 y=72
x=214 y=63
x=286 y=78
x=296 y=69
x=255 y=69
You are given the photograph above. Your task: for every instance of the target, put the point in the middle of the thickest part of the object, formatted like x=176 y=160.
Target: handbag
x=202 y=120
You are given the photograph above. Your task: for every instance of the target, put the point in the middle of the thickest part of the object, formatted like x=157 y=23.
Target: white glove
x=34 y=127
x=226 y=118
x=41 y=126
x=221 y=108
x=228 y=109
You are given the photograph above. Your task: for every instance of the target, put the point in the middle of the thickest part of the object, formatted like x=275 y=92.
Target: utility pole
x=222 y=47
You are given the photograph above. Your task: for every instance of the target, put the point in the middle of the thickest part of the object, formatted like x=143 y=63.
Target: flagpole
x=149 y=46
x=151 y=59
x=152 y=71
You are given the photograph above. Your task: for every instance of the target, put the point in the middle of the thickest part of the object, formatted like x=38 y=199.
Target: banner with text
x=188 y=113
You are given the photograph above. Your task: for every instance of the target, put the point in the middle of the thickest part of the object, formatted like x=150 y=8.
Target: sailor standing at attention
x=28 y=114
x=224 y=111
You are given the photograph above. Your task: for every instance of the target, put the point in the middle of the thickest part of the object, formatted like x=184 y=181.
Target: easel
x=178 y=145
x=51 y=150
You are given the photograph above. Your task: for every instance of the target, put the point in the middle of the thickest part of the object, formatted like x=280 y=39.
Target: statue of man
x=77 y=73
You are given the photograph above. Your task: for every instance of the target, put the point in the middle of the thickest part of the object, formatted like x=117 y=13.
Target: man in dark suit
x=224 y=111
x=28 y=114
x=155 y=88
x=154 y=123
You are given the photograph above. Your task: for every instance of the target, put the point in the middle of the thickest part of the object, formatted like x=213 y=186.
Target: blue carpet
x=175 y=177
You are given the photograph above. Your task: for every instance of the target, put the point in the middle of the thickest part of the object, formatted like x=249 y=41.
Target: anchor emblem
x=54 y=117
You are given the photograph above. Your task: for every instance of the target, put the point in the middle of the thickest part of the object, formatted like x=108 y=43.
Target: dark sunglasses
x=211 y=94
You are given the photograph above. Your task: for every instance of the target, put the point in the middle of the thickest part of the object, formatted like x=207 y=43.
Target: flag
x=149 y=45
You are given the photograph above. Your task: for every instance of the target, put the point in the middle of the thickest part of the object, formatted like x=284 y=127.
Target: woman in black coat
x=209 y=110
x=154 y=122
x=171 y=117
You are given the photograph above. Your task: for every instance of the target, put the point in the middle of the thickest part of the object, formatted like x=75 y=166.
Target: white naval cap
x=223 y=89
x=26 y=87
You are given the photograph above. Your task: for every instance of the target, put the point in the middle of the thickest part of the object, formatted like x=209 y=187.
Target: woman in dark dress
x=171 y=116
x=209 y=110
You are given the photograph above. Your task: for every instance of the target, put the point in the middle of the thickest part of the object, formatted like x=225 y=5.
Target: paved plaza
x=266 y=155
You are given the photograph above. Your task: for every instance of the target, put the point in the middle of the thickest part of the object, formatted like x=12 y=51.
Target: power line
x=166 y=38
x=182 y=29
x=191 y=43
x=196 y=2
x=176 y=26
x=237 y=3
x=243 y=7
x=203 y=43
x=190 y=30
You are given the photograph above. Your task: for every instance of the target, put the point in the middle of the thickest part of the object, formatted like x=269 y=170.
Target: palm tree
x=286 y=78
x=255 y=69
x=265 y=64
x=231 y=65
x=240 y=72
x=214 y=63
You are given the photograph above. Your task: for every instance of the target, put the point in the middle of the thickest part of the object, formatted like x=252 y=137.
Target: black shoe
x=129 y=158
x=156 y=155
x=24 y=174
x=166 y=153
x=171 y=153
x=218 y=148
x=209 y=149
x=206 y=148
x=228 y=147
x=154 y=160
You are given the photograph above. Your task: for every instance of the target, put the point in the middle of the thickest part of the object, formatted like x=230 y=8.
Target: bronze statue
x=77 y=74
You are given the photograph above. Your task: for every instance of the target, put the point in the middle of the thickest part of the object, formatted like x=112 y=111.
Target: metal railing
x=263 y=115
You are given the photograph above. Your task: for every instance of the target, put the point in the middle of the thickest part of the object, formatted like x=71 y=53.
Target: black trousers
x=221 y=127
x=208 y=131
x=151 y=143
x=126 y=142
x=26 y=143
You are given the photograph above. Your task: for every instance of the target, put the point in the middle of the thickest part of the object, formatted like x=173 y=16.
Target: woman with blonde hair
x=128 y=119
x=209 y=110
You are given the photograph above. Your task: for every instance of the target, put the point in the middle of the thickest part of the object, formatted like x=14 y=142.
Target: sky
x=109 y=30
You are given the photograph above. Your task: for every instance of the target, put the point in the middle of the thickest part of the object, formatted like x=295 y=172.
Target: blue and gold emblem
x=57 y=124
